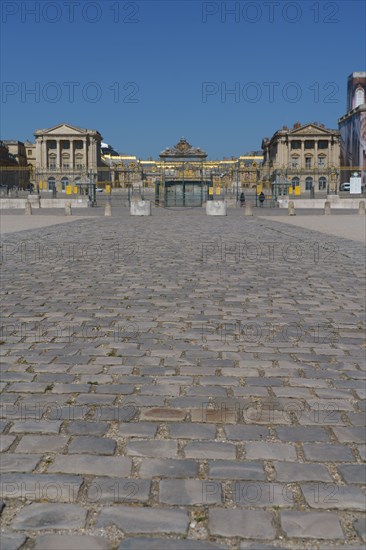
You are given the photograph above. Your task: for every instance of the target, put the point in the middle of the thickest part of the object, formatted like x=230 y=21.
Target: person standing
x=262 y=198
x=242 y=199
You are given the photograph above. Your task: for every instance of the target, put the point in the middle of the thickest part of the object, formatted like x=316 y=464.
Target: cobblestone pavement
x=182 y=382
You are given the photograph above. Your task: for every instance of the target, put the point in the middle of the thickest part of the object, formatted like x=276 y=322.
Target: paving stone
x=163 y=414
x=137 y=429
x=108 y=490
x=233 y=469
x=39 y=516
x=349 y=435
x=158 y=448
x=246 y=433
x=113 y=466
x=139 y=543
x=260 y=494
x=192 y=431
x=314 y=525
x=327 y=452
x=14 y=462
x=189 y=492
x=270 y=451
x=301 y=433
x=241 y=523
x=332 y=496
x=53 y=488
x=217 y=416
x=5 y=442
x=92 y=445
x=353 y=473
x=168 y=468
x=41 y=443
x=40 y=427
x=71 y=542
x=210 y=449
x=12 y=542
x=360 y=525
x=144 y=520
x=86 y=427
x=293 y=471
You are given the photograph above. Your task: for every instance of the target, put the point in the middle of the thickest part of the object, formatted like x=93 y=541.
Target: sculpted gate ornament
x=183 y=149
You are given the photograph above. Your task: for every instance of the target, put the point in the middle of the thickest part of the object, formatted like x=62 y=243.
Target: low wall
x=335 y=202
x=8 y=203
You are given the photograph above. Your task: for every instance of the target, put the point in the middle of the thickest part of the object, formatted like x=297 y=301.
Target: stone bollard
x=140 y=208
x=327 y=209
x=361 y=208
x=291 y=208
x=68 y=211
x=108 y=208
x=216 y=208
x=248 y=210
x=28 y=208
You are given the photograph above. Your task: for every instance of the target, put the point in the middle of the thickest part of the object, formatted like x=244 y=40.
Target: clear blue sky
x=147 y=73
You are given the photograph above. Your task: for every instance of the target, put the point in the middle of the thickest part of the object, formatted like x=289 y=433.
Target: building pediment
x=310 y=129
x=64 y=129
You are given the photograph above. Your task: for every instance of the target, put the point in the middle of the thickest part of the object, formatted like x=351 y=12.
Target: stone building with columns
x=65 y=154
x=303 y=160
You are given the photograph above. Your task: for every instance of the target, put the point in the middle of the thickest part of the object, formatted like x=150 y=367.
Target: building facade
x=20 y=173
x=352 y=127
x=66 y=155
x=303 y=160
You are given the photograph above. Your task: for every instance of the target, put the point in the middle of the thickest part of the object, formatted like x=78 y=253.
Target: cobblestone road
x=182 y=382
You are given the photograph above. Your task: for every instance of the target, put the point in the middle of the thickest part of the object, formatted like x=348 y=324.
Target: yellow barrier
x=107 y=188
x=68 y=189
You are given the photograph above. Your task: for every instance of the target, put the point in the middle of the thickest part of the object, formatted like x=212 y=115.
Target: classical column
x=85 y=153
x=58 y=154
x=44 y=159
x=71 y=154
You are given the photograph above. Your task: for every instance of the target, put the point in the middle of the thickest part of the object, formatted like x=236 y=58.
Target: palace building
x=303 y=160
x=65 y=154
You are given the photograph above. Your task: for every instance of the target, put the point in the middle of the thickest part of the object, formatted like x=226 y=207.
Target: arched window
x=64 y=182
x=322 y=183
x=308 y=162
x=51 y=184
x=294 y=161
x=359 y=97
x=308 y=184
x=295 y=182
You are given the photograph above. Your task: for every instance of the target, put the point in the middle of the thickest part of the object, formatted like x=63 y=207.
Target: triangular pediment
x=311 y=129
x=65 y=129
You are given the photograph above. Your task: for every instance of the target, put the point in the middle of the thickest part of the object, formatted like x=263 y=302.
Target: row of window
x=64 y=182
x=65 y=144
x=65 y=166
x=310 y=144
x=308 y=162
x=322 y=183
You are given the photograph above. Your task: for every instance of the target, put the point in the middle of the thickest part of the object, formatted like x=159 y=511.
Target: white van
x=345 y=187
